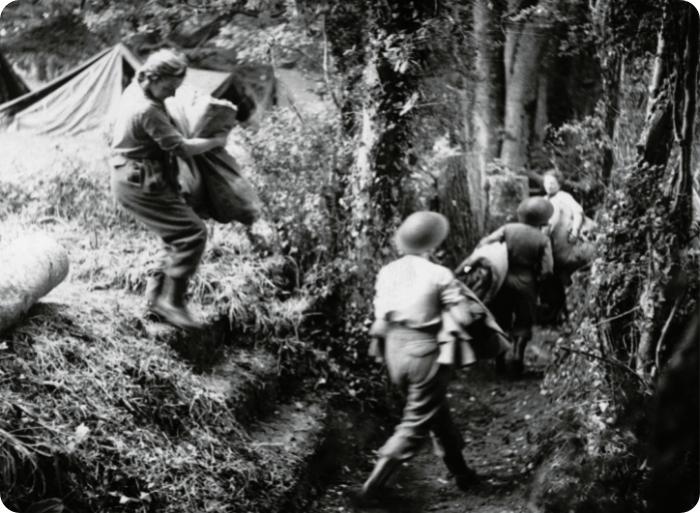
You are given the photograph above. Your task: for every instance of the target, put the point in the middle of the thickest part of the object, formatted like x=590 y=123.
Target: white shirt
x=567 y=213
x=413 y=291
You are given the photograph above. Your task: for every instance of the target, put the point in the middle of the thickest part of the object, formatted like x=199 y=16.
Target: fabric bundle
x=459 y=345
x=485 y=270
x=211 y=183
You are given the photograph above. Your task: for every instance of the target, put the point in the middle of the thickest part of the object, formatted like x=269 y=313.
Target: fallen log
x=31 y=266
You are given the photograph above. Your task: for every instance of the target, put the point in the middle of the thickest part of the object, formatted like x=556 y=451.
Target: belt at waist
x=149 y=174
x=432 y=329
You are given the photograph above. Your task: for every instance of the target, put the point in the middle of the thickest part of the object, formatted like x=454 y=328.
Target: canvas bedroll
x=212 y=183
x=485 y=270
x=32 y=266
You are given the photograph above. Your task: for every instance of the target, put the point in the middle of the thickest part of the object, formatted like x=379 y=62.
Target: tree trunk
x=31 y=267
x=611 y=63
x=361 y=179
x=670 y=111
x=525 y=42
x=539 y=158
x=487 y=112
x=390 y=88
x=454 y=197
x=612 y=76
x=685 y=111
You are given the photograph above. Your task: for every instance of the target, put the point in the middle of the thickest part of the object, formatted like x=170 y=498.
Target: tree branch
x=606 y=360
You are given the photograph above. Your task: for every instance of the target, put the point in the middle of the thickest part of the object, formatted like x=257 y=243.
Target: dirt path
x=499 y=419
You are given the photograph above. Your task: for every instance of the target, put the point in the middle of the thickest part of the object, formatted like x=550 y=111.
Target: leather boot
x=384 y=468
x=518 y=363
x=154 y=287
x=464 y=476
x=501 y=364
x=171 y=304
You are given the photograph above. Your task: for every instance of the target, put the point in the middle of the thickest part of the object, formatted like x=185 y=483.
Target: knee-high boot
x=519 y=362
x=384 y=468
x=171 y=304
x=154 y=287
x=464 y=476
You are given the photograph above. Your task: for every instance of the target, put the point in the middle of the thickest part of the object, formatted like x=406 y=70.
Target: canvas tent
x=83 y=101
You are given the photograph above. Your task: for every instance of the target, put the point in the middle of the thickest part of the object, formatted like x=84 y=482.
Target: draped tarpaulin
x=11 y=85
x=85 y=104
x=84 y=100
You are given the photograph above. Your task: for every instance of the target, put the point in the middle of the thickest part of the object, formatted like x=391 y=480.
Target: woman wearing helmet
x=411 y=294
x=529 y=261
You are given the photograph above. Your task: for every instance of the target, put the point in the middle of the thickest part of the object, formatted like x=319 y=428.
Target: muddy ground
x=499 y=417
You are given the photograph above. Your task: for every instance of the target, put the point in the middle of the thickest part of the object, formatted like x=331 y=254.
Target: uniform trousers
x=411 y=358
x=144 y=189
x=515 y=304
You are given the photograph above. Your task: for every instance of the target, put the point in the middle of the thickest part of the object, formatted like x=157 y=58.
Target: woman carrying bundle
x=529 y=262
x=144 y=180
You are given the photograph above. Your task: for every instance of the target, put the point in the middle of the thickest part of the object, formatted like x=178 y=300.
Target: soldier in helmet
x=529 y=261
x=411 y=294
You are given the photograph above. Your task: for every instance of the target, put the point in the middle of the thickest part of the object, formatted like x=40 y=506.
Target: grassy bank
x=105 y=414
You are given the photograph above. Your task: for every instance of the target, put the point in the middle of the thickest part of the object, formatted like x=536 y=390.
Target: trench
x=499 y=417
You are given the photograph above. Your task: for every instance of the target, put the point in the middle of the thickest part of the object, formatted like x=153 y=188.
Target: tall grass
x=98 y=412
x=92 y=405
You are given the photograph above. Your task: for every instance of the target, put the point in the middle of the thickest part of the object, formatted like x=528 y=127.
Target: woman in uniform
x=529 y=262
x=144 y=180
x=411 y=294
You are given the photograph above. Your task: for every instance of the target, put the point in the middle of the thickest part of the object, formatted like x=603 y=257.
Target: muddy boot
x=367 y=496
x=501 y=364
x=171 y=304
x=154 y=287
x=518 y=363
x=465 y=477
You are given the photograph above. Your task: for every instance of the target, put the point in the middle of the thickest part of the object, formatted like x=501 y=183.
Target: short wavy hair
x=162 y=64
x=556 y=174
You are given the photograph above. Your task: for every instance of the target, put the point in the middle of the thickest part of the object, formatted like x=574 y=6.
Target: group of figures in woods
x=521 y=270
x=421 y=309
x=427 y=321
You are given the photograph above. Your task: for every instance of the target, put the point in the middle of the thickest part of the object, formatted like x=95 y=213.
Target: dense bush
x=601 y=382
x=300 y=167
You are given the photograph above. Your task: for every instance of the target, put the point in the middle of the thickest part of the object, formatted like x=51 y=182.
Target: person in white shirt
x=411 y=294
x=569 y=250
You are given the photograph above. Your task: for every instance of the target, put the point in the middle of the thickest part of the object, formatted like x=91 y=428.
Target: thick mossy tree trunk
x=391 y=80
x=647 y=243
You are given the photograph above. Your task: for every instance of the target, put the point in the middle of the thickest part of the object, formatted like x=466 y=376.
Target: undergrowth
x=98 y=413
x=112 y=420
x=596 y=457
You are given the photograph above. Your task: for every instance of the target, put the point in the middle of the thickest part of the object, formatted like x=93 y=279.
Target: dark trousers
x=411 y=358
x=152 y=200
x=515 y=304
